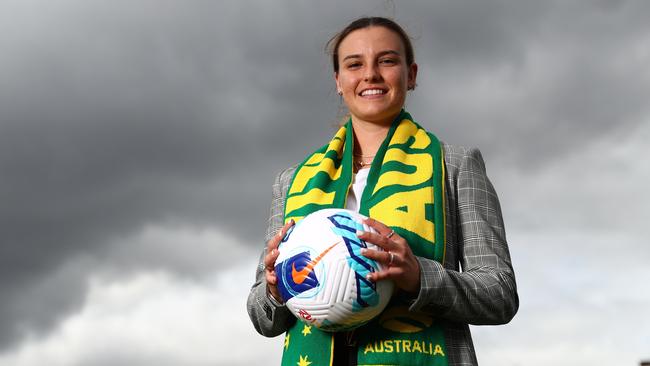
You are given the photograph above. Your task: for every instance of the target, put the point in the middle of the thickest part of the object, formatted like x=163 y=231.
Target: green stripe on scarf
x=405 y=190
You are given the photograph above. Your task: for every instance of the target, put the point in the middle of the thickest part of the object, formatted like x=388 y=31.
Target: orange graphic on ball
x=300 y=276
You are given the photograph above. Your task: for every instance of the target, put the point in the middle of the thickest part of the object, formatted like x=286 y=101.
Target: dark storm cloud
x=116 y=116
x=533 y=81
x=110 y=120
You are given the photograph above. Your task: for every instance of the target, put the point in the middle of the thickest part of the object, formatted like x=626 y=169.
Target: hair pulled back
x=365 y=22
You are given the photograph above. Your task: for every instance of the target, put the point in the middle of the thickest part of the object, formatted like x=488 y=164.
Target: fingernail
x=364 y=251
x=368 y=277
x=359 y=233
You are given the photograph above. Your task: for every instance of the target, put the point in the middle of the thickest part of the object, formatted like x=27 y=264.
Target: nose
x=372 y=73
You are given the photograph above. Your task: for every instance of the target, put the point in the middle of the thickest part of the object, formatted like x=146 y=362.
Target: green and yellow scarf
x=405 y=190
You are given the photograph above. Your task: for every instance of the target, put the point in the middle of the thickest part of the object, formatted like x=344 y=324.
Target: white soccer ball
x=322 y=274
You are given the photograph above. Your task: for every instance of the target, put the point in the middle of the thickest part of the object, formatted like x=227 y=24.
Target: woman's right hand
x=272 y=254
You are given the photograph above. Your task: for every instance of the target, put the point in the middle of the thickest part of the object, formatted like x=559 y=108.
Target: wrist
x=413 y=284
x=275 y=300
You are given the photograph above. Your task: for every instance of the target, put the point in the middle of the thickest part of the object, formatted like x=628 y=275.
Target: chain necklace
x=359 y=163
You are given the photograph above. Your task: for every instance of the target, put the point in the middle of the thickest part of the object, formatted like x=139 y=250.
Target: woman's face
x=373 y=75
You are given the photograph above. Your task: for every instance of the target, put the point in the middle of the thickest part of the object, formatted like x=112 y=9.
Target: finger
x=381 y=228
x=271 y=278
x=286 y=227
x=283 y=231
x=378 y=276
x=273 y=253
x=380 y=256
x=377 y=239
x=270 y=258
x=275 y=241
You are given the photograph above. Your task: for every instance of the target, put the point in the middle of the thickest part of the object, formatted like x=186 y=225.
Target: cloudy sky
x=139 y=140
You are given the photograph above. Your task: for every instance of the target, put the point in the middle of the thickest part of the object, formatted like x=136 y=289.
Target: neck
x=368 y=137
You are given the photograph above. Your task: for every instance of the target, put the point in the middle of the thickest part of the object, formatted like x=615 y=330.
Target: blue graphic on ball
x=346 y=227
x=296 y=275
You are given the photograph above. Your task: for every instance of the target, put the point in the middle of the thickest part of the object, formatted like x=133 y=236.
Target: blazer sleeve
x=485 y=291
x=269 y=317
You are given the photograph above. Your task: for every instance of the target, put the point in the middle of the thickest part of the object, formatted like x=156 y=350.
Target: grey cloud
x=568 y=74
x=114 y=118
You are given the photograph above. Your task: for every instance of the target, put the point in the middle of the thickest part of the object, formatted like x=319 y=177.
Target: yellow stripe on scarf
x=319 y=162
x=314 y=195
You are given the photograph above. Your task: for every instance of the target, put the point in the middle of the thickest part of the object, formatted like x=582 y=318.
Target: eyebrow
x=382 y=53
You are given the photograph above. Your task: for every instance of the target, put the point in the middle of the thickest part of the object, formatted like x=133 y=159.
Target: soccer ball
x=322 y=274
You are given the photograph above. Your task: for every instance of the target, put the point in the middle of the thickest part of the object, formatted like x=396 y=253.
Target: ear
x=412 y=76
x=338 y=84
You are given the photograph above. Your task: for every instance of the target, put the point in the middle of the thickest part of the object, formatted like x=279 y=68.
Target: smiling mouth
x=370 y=92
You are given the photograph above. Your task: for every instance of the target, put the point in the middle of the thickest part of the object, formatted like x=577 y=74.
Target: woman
x=434 y=210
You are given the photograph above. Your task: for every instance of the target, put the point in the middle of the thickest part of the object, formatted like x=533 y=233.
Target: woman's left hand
x=397 y=257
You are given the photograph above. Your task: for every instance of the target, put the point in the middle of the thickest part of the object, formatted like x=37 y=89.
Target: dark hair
x=365 y=22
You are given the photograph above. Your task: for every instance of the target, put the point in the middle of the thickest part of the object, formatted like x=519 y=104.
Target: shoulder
x=458 y=156
x=284 y=177
x=463 y=165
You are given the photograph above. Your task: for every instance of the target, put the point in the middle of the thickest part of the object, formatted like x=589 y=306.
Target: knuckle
x=269 y=262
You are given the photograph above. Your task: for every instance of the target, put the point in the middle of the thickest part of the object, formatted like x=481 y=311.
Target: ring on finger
x=392 y=232
x=392 y=256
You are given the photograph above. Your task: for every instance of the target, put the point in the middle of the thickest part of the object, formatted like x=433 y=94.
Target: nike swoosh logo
x=300 y=276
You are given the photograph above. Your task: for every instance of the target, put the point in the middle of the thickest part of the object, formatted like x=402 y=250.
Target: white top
x=359 y=181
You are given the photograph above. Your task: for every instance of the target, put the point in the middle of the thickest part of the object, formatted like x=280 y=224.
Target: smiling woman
x=374 y=75
x=434 y=211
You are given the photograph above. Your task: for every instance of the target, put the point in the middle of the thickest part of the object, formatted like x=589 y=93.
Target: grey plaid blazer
x=476 y=284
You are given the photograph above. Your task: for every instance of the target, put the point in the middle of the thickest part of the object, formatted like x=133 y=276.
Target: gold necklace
x=360 y=164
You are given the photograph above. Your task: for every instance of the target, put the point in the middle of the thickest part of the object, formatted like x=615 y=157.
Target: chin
x=380 y=115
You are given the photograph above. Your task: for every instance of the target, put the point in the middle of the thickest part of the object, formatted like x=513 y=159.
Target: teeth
x=372 y=92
